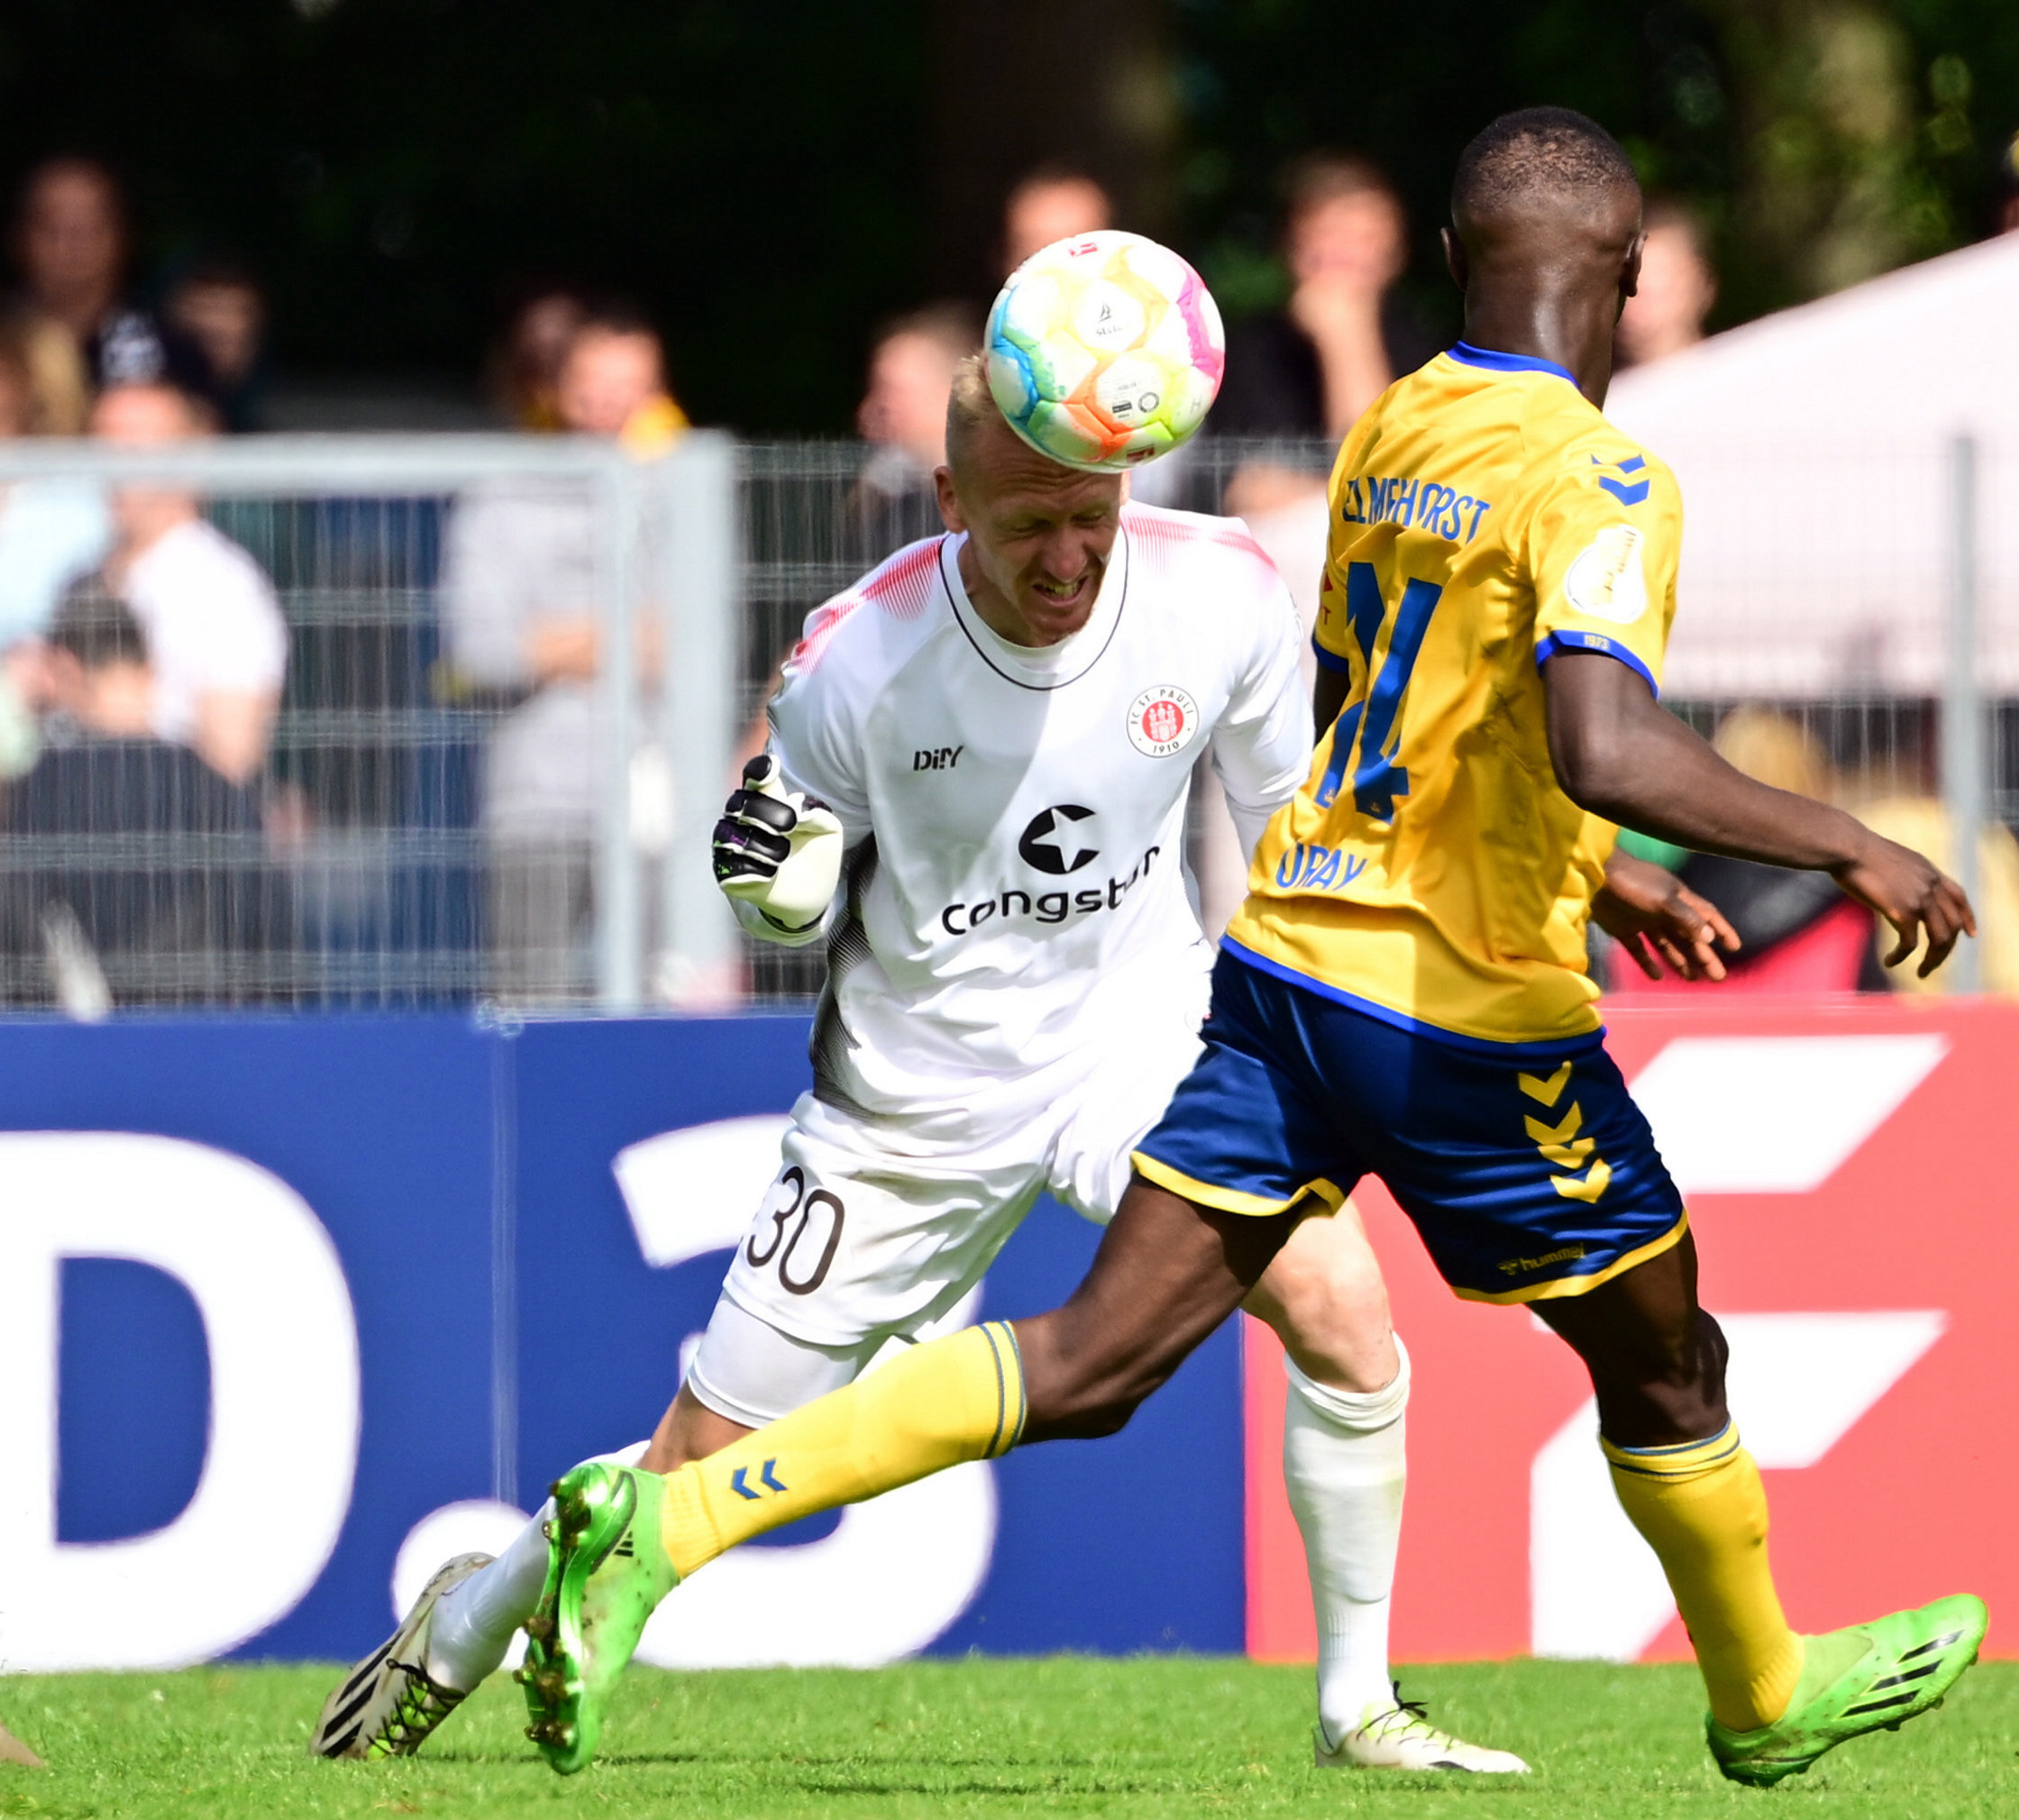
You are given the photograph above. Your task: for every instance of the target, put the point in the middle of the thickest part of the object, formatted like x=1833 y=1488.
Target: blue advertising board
x=383 y=1279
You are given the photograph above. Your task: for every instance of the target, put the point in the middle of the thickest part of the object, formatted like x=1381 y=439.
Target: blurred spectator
x=1798 y=932
x=1305 y=372
x=1312 y=368
x=903 y=418
x=1051 y=202
x=521 y=591
x=218 y=643
x=57 y=399
x=613 y=382
x=179 y=891
x=1678 y=288
x=217 y=306
x=49 y=530
x=526 y=364
x=71 y=245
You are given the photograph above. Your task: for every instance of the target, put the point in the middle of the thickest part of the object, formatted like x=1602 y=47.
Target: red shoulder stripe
x=900 y=587
x=1158 y=527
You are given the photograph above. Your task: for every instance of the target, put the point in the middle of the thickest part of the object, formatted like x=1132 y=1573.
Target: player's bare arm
x=1618 y=754
x=1328 y=697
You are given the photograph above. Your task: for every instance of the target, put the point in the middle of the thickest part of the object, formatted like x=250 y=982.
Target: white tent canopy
x=1813 y=450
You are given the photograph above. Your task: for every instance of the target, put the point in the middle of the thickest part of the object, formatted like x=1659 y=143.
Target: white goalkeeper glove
x=778 y=851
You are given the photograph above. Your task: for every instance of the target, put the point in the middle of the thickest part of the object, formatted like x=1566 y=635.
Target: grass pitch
x=1060 y=1736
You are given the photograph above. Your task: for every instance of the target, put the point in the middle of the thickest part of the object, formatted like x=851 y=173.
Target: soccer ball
x=1104 y=350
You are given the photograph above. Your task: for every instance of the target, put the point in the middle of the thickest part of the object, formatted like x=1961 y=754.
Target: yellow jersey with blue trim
x=1431 y=871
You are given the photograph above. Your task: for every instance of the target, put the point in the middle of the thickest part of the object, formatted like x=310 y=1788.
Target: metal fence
x=520 y=671
x=499 y=652
x=1864 y=598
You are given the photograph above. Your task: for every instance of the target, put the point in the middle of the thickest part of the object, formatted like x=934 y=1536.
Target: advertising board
x=291 y=1309
x=1847 y=1168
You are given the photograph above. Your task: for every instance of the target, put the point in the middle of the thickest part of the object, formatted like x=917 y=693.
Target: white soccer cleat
x=386 y=1706
x=1398 y=1736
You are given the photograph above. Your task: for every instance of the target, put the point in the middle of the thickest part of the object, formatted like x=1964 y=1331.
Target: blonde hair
x=970 y=406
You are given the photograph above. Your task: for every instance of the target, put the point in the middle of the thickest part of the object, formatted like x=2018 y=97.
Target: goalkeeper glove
x=778 y=851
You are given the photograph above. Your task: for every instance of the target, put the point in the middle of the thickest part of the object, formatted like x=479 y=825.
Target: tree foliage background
x=770 y=180
x=1824 y=140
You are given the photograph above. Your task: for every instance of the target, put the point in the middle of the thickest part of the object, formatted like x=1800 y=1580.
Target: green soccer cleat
x=1862 y=1679
x=386 y=1706
x=607 y=1573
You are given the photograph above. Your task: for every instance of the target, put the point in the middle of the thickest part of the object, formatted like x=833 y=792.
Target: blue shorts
x=1527 y=1168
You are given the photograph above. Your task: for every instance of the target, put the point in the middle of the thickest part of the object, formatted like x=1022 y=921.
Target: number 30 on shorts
x=819 y=1210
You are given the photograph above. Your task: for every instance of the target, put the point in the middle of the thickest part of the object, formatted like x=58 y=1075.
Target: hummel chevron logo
x=1549 y=1091
x=1561 y=1133
x=1588 y=1187
x=738 y=1481
x=1627 y=492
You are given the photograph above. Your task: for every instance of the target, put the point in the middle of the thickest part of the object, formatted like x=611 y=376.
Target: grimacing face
x=1039 y=534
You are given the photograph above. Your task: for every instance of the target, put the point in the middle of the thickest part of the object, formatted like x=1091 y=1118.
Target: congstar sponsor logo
x=1058 y=841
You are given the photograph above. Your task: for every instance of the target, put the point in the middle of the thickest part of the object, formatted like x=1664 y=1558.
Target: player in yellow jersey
x=1405 y=994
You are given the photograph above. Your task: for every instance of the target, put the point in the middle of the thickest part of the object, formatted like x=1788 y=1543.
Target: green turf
x=1065 y=1736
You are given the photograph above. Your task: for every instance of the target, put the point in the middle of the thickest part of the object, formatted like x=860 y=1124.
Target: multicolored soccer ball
x=1105 y=351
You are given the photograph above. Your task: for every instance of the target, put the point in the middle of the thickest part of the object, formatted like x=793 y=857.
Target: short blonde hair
x=970 y=407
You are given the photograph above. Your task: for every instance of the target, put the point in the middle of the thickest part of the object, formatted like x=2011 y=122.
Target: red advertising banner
x=1851 y=1167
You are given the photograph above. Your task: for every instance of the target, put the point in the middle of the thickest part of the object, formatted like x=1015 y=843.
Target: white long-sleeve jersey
x=1015 y=818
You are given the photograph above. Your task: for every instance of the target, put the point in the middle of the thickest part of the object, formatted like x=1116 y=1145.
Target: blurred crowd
x=141 y=651
x=144 y=654
x=144 y=658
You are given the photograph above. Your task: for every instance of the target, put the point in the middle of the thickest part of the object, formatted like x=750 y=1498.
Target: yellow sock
x=950 y=1400
x=1703 y=1510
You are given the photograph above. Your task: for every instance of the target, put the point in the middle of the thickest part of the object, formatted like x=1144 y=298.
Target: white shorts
x=867 y=1234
